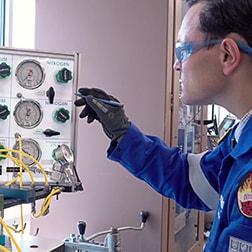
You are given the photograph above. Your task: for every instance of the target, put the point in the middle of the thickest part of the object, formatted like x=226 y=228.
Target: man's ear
x=230 y=56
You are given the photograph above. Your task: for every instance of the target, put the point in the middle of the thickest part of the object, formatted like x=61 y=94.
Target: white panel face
x=26 y=110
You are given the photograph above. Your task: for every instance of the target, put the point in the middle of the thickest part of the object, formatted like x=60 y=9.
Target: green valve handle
x=4 y=70
x=64 y=75
x=62 y=115
x=2 y=152
x=4 y=112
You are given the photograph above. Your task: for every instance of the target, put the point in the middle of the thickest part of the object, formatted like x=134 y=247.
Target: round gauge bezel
x=63 y=154
x=32 y=145
x=32 y=65
x=18 y=113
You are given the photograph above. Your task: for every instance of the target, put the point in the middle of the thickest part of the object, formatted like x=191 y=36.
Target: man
x=214 y=57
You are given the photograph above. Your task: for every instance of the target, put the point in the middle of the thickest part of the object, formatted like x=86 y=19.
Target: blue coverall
x=218 y=180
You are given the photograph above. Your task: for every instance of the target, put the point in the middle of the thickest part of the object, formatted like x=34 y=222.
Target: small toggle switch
x=50 y=93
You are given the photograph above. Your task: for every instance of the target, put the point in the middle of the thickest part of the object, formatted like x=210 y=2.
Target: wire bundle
x=4 y=154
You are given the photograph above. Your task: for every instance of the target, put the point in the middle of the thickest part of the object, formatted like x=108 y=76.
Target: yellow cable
x=13 y=229
x=21 y=218
x=10 y=234
x=20 y=159
x=46 y=203
x=12 y=181
x=32 y=158
x=47 y=200
x=16 y=161
x=4 y=249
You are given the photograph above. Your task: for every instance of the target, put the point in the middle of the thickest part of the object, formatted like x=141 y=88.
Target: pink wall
x=123 y=48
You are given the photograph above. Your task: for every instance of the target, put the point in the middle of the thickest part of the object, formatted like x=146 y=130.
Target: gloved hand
x=113 y=119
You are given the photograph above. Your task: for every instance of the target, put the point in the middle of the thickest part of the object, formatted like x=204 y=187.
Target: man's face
x=201 y=72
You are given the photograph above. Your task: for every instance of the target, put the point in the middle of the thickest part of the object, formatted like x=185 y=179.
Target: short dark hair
x=218 y=18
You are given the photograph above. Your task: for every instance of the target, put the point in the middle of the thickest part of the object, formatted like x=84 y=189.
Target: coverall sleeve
x=164 y=168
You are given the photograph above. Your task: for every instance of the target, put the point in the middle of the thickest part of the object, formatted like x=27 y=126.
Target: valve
x=4 y=70
x=64 y=75
x=4 y=112
x=143 y=218
x=62 y=115
x=112 y=240
x=3 y=153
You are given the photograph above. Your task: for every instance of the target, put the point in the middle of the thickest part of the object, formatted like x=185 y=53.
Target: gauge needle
x=25 y=151
x=28 y=112
x=28 y=77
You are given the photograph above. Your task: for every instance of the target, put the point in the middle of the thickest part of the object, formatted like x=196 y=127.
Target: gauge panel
x=28 y=107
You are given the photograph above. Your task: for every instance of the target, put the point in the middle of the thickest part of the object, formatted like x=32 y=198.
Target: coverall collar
x=245 y=140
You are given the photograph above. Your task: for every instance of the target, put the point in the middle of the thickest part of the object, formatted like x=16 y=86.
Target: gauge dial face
x=30 y=74
x=30 y=147
x=28 y=114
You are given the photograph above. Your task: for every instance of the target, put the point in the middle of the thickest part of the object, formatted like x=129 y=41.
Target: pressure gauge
x=30 y=147
x=28 y=113
x=63 y=155
x=30 y=74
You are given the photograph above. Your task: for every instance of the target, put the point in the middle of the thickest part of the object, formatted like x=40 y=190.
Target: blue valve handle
x=112 y=103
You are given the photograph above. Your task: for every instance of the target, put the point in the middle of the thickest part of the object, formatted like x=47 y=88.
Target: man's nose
x=177 y=65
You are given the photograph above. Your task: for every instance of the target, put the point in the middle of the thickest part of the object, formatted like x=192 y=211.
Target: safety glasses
x=186 y=49
x=245 y=48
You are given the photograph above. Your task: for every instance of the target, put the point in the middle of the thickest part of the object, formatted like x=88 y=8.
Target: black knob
x=144 y=216
x=50 y=93
x=4 y=112
x=81 y=225
x=50 y=132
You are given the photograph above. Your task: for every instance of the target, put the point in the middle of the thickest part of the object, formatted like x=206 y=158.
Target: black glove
x=113 y=119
